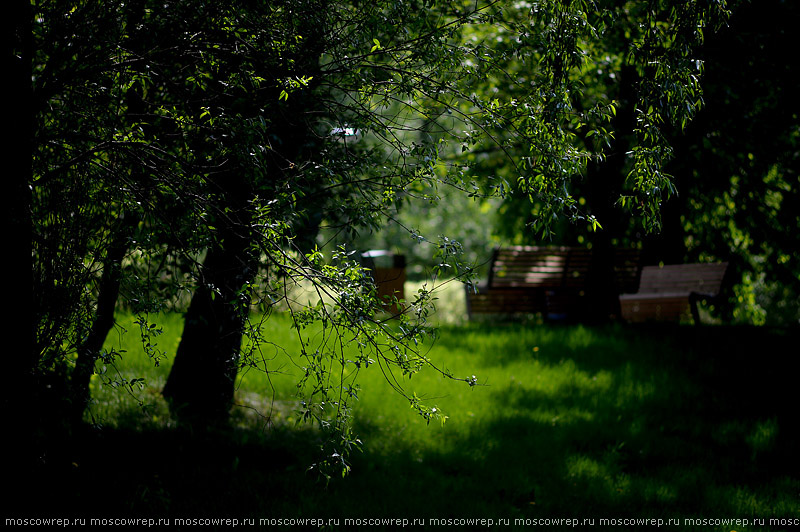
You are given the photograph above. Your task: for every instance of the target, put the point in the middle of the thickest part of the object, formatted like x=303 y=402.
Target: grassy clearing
x=569 y=421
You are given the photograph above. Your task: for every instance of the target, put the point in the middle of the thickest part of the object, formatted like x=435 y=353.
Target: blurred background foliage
x=734 y=168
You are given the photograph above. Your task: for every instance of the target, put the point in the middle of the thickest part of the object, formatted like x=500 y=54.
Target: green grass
x=568 y=421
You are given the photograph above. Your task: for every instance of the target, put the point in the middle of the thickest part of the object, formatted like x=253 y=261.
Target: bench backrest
x=683 y=278
x=556 y=267
x=526 y=266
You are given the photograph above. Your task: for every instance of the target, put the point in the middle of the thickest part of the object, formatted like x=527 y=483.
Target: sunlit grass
x=565 y=420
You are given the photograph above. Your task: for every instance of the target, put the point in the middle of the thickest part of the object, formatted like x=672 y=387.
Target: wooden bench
x=667 y=293
x=543 y=280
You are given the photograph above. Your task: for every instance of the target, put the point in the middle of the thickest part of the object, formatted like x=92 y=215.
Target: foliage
x=610 y=80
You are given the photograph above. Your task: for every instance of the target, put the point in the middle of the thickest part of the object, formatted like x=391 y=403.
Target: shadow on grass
x=649 y=422
x=660 y=422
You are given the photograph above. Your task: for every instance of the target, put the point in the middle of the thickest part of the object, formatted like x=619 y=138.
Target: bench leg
x=694 y=298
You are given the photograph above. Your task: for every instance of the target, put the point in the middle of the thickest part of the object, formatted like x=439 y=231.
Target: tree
x=20 y=368
x=208 y=143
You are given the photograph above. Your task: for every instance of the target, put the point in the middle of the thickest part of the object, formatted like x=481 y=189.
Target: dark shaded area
x=158 y=473
x=735 y=165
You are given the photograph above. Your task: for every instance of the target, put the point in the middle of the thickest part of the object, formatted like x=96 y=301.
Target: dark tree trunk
x=17 y=49
x=108 y=293
x=606 y=180
x=668 y=246
x=601 y=291
x=200 y=386
x=18 y=399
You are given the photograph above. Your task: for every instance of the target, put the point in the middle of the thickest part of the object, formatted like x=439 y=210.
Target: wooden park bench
x=543 y=280
x=667 y=293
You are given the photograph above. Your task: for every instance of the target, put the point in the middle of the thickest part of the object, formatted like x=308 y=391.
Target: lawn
x=569 y=421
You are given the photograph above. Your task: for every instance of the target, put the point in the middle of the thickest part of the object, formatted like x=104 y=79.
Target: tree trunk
x=606 y=180
x=108 y=293
x=601 y=293
x=18 y=399
x=200 y=386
